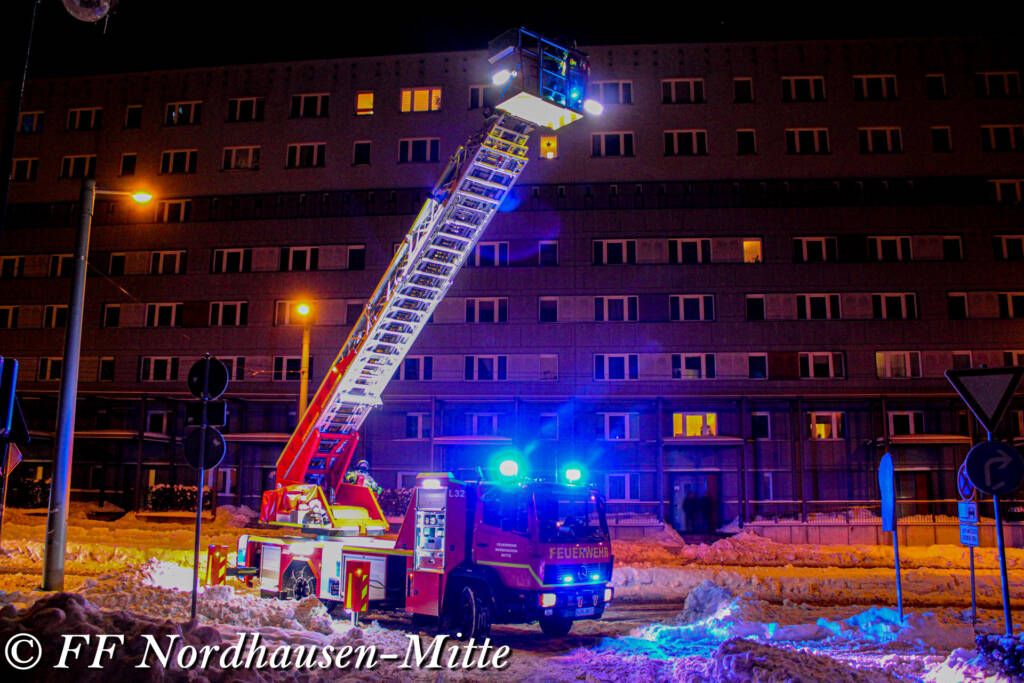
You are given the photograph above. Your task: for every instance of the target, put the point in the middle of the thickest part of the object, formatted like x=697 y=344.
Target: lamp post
x=57 y=517
x=303 y=310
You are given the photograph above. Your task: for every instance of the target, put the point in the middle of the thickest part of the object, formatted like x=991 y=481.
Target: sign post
x=204 y=445
x=967 y=509
x=887 y=488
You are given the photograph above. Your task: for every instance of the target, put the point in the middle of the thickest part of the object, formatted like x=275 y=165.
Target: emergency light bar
x=545 y=83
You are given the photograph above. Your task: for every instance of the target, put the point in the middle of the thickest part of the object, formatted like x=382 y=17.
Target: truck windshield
x=570 y=516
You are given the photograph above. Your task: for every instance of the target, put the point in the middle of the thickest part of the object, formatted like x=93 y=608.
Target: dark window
x=755 y=308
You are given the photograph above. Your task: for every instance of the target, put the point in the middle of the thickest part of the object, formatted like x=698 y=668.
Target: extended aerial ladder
x=544 y=85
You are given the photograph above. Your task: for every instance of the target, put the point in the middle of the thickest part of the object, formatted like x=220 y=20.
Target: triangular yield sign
x=986 y=391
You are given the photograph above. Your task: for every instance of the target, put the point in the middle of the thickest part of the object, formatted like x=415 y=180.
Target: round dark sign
x=995 y=467
x=213 y=452
x=207 y=378
x=963 y=483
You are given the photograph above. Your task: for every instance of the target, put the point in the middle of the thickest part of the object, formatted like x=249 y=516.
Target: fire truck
x=471 y=551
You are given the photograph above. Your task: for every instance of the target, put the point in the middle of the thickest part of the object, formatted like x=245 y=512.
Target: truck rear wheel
x=555 y=627
x=470 y=614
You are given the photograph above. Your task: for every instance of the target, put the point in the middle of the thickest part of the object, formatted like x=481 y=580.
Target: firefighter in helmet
x=361 y=477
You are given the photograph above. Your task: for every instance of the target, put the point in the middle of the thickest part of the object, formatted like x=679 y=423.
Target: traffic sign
x=967 y=511
x=986 y=391
x=887 y=488
x=969 y=535
x=995 y=467
x=213 y=452
x=207 y=378
x=963 y=483
x=216 y=414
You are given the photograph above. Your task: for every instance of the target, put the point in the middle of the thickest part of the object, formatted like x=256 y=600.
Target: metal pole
x=16 y=93
x=974 y=594
x=896 y=551
x=304 y=371
x=57 y=519
x=199 y=488
x=1007 y=617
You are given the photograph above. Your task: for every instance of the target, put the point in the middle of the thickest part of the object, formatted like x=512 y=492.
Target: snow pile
x=1003 y=653
x=743 y=661
x=231 y=517
x=923 y=630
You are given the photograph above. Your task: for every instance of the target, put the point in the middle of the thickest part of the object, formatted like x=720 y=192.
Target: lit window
x=752 y=250
x=695 y=424
x=420 y=99
x=548 y=147
x=182 y=113
x=827 y=425
x=364 y=103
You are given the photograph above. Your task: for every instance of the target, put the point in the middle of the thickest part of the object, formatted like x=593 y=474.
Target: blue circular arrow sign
x=995 y=467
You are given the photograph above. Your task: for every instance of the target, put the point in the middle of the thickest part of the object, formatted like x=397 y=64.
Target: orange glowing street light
x=303 y=309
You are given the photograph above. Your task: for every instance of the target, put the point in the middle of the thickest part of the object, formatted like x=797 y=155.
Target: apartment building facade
x=743 y=281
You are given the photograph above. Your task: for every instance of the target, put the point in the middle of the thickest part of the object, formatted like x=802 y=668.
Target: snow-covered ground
x=742 y=609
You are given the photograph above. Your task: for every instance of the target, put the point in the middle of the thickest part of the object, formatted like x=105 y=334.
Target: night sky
x=152 y=34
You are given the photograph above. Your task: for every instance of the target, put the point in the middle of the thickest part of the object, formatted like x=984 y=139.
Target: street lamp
x=57 y=518
x=303 y=310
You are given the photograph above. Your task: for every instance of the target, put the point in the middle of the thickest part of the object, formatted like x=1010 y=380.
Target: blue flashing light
x=508 y=468
x=573 y=474
x=566 y=579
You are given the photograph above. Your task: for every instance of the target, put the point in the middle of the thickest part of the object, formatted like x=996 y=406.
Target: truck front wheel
x=555 y=627
x=470 y=613
x=298 y=581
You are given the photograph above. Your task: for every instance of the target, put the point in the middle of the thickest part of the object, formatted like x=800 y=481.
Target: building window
x=803 y=88
x=361 y=153
x=163 y=315
x=309 y=105
x=956 y=305
x=880 y=140
x=549 y=147
x=111 y=315
x=622 y=487
x=299 y=258
x=686 y=143
x=952 y=249
x=614 y=252
x=487 y=310
x=807 y=141
x=761 y=425
x=24 y=170
x=485 y=368
x=78 y=166
x=50 y=368
x=755 y=307
x=417 y=426
x=489 y=255
x=158 y=369
x=612 y=92
x=757 y=366
x=418 y=150
x=12 y=267
x=482 y=424
x=824 y=365
x=874 y=87
x=547 y=253
x=616 y=366
x=746 y=142
x=1002 y=138
x=682 y=91
x=894 y=306
x=935 y=86
x=997 y=84
x=364 y=103
x=55 y=316
x=30 y=122
x=228 y=313
x=752 y=250
x=289 y=368
x=906 y=422
x=1009 y=247
x=173 y=211
x=620 y=426
x=128 y=163
x=84 y=119
x=241 y=109
x=420 y=99
x=231 y=261
x=105 y=371
x=548 y=309
x=1011 y=305
x=817 y=307
x=416 y=368
x=1008 y=191
x=693 y=366
x=241 y=159
x=285 y=313
x=942 y=139
x=814 y=249
x=549 y=367
x=827 y=425
x=178 y=161
x=612 y=144
x=898 y=364
x=889 y=248
x=157 y=421
x=961 y=360
x=687 y=307
x=167 y=262
x=8 y=317
x=306 y=155
x=743 y=90
x=547 y=425
x=1013 y=358
x=182 y=113
x=61 y=265
x=689 y=251
x=616 y=308
x=481 y=96
x=694 y=424
x=235 y=366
